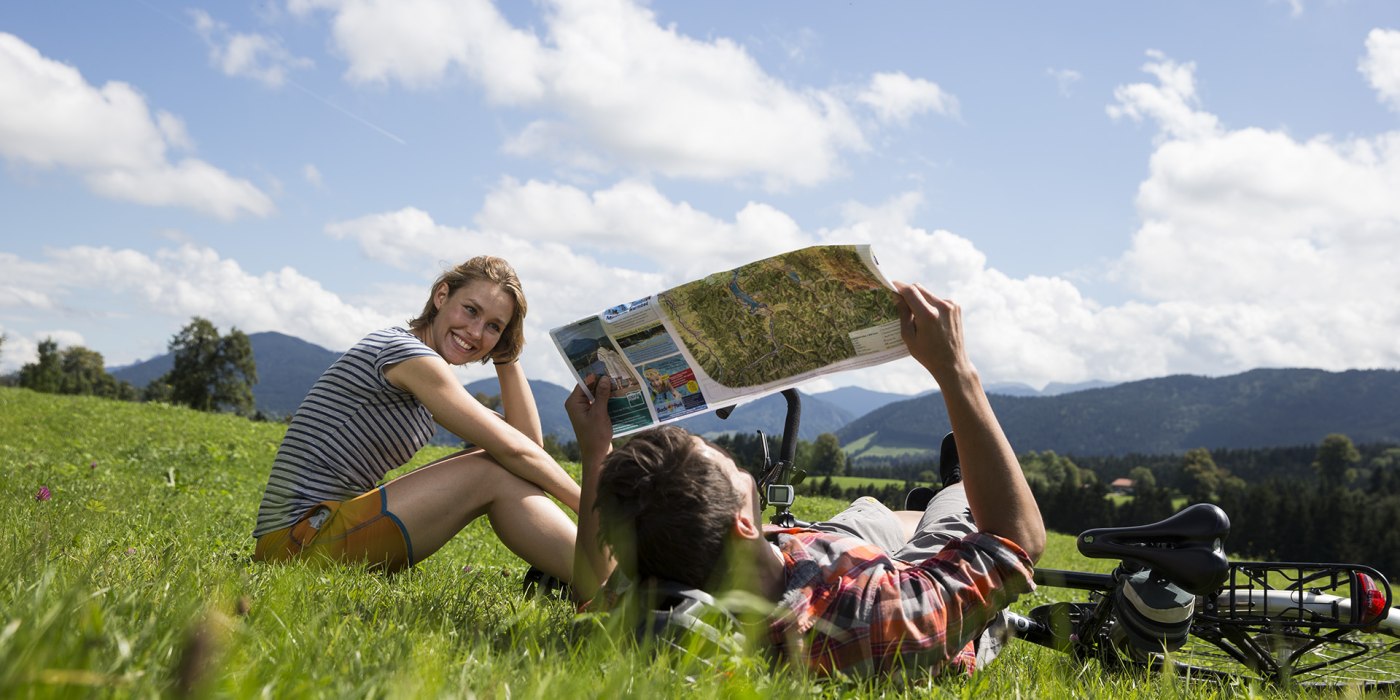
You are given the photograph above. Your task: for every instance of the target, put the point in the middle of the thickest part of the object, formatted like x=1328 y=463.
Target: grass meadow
x=132 y=577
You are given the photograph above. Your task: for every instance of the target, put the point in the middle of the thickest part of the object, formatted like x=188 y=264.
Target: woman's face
x=469 y=321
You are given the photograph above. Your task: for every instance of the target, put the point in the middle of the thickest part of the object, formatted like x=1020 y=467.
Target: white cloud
x=312 y=175
x=1381 y=65
x=50 y=117
x=1171 y=102
x=255 y=56
x=632 y=218
x=1065 y=78
x=1268 y=250
x=626 y=91
x=896 y=97
x=193 y=281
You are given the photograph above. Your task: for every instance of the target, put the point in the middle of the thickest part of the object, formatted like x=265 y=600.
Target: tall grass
x=133 y=578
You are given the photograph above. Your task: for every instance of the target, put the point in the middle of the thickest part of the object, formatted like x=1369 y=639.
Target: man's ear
x=745 y=527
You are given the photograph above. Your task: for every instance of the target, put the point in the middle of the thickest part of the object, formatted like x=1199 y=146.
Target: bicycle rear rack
x=1338 y=596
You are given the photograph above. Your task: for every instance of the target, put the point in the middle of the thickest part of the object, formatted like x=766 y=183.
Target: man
x=870 y=590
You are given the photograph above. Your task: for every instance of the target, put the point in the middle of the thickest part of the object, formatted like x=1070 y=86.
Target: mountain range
x=1260 y=408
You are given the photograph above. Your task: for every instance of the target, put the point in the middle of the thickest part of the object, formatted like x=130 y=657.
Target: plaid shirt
x=849 y=607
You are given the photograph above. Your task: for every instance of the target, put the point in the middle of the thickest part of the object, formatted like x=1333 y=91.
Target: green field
x=134 y=579
x=859 y=449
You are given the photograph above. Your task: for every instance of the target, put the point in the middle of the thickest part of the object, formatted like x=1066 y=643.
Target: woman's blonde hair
x=491 y=269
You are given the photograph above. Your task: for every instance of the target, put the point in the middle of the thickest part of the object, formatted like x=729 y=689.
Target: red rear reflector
x=1371 y=598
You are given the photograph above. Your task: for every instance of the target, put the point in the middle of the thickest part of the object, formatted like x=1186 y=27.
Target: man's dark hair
x=665 y=509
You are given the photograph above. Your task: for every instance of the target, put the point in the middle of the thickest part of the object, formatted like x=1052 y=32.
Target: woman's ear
x=440 y=296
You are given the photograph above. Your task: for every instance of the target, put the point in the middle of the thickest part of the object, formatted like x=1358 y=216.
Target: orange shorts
x=358 y=530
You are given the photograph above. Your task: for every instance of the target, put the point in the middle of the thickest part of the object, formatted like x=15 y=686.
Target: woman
x=375 y=407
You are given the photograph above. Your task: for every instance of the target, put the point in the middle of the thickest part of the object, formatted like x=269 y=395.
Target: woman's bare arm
x=432 y=382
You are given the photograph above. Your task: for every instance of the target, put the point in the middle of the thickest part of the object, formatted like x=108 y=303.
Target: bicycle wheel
x=1263 y=633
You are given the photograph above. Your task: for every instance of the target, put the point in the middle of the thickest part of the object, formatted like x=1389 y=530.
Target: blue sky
x=1112 y=191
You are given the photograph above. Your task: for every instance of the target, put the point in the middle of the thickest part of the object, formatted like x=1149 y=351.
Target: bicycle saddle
x=1185 y=548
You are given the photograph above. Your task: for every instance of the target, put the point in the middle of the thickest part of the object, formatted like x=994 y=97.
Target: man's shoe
x=538 y=582
x=918 y=498
x=949 y=468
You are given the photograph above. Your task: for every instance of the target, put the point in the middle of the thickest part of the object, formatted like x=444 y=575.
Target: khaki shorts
x=358 y=530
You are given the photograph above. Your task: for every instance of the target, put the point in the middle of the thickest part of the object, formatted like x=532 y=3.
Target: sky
x=1110 y=191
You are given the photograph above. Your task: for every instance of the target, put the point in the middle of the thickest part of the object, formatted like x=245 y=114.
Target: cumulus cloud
x=1267 y=249
x=632 y=218
x=1172 y=101
x=243 y=55
x=896 y=97
x=626 y=91
x=193 y=281
x=50 y=117
x=1381 y=65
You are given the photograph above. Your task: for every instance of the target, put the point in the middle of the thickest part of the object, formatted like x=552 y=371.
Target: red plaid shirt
x=849 y=607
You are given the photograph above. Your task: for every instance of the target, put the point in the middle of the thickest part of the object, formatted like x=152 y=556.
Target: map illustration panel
x=782 y=316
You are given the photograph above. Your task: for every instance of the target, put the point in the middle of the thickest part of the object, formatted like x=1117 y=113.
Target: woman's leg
x=436 y=501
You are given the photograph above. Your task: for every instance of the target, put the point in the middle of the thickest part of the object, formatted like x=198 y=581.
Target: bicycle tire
x=1297 y=651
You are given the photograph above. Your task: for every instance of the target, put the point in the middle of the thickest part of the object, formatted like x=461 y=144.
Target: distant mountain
x=287 y=367
x=1260 y=408
x=859 y=401
x=767 y=414
x=549 y=401
x=1011 y=389
x=1051 y=389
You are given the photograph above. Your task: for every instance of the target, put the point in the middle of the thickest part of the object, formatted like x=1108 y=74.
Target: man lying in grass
x=871 y=590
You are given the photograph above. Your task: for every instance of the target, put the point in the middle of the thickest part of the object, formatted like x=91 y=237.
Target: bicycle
x=1174 y=601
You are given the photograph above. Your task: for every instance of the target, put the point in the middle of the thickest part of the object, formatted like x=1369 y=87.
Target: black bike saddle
x=1185 y=548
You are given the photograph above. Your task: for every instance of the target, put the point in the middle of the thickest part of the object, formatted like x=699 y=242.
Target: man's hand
x=592 y=426
x=932 y=330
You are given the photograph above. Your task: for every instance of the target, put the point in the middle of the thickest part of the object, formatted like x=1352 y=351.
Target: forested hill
x=1260 y=408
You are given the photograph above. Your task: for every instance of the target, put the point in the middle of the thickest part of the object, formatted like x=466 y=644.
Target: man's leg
x=946 y=518
x=868 y=519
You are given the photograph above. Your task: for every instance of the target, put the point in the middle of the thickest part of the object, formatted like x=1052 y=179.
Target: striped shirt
x=351 y=429
x=849 y=607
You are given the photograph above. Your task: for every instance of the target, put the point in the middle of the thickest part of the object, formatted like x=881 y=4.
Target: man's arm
x=593 y=428
x=1000 y=498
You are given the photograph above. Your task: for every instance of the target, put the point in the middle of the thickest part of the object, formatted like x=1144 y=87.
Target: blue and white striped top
x=351 y=429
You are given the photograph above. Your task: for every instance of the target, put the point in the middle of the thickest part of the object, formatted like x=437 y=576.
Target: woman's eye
x=494 y=328
x=471 y=310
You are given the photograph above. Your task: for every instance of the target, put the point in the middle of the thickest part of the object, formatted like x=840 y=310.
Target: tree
x=1143 y=478
x=1336 y=461
x=1206 y=482
x=46 y=373
x=827 y=457
x=491 y=401
x=76 y=370
x=212 y=372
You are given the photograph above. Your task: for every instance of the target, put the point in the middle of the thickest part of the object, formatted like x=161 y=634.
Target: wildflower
x=43 y=494
x=467 y=569
x=93 y=465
